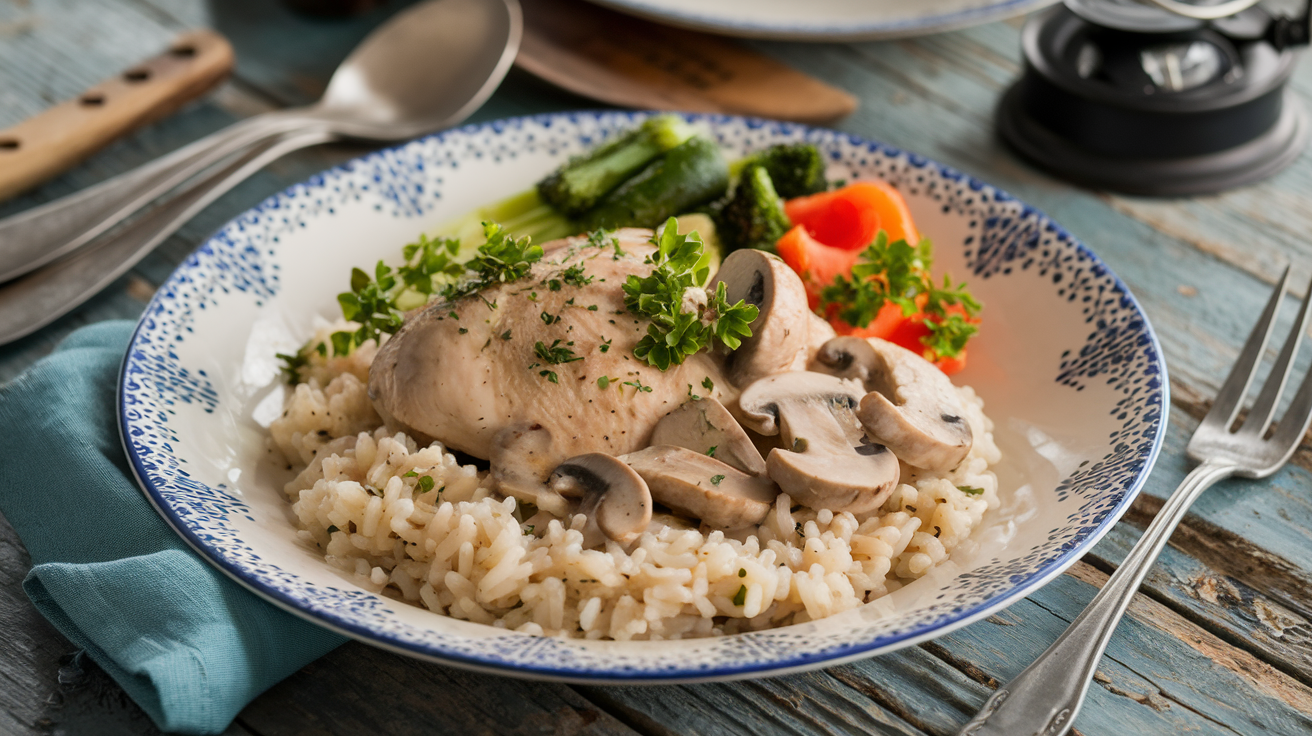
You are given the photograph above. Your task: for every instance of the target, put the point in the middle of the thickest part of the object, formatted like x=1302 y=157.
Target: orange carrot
x=848 y=218
x=815 y=262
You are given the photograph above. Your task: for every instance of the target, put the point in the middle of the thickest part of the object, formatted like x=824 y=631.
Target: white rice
x=460 y=550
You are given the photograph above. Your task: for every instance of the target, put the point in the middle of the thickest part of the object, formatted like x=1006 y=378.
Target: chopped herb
x=742 y=572
x=605 y=381
x=452 y=314
x=592 y=307
x=333 y=528
x=555 y=354
x=684 y=318
x=692 y=396
x=971 y=491
x=800 y=444
x=576 y=276
x=711 y=452
x=528 y=530
x=505 y=335
x=550 y=375
x=716 y=480
x=549 y=319
x=321 y=349
x=462 y=330
x=411 y=474
x=532 y=296
x=637 y=385
x=708 y=384
x=605 y=346
x=740 y=597
x=292 y=365
x=554 y=284
x=425 y=483
x=606 y=239
x=898 y=273
x=502 y=259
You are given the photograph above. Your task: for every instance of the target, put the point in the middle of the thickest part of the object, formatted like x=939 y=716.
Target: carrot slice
x=848 y=218
x=815 y=262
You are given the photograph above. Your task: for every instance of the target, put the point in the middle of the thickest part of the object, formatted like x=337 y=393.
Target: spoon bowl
x=426 y=69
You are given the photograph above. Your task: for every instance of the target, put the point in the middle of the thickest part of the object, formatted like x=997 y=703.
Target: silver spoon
x=426 y=69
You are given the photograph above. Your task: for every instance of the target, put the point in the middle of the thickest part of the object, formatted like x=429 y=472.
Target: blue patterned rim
x=753 y=28
x=1121 y=351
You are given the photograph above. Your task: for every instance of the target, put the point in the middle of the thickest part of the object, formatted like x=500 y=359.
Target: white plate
x=825 y=20
x=1066 y=362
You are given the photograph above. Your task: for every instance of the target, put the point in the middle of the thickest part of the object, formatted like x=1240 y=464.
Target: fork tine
x=1229 y=399
x=1294 y=424
x=1259 y=417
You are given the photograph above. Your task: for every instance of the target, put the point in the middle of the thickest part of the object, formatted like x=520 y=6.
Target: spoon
x=427 y=68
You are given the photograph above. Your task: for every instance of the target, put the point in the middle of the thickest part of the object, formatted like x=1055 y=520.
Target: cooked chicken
x=470 y=374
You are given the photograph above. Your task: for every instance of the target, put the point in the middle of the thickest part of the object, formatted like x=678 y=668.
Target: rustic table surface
x=1218 y=641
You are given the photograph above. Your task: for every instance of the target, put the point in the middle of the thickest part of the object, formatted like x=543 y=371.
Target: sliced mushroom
x=826 y=462
x=613 y=497
x=707 y=428
x=779 y=332
x=911 y=406
x=522 y=459
x=696 y=485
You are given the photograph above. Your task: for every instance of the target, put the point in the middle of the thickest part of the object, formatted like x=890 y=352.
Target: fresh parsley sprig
x=684 y=318
x=898 y=273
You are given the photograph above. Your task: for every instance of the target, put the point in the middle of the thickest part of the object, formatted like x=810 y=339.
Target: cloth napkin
x=188 y=644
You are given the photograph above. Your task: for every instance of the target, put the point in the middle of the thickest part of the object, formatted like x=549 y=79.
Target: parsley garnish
x=502 y=259
x=549 y=319
x=555 y=354
x=292 y=364
x=528 y=530
x=708 y=384
x=970 y=491
x=411 y=474
x=605 y=346
x=637 y=385
x=425 y=483
x=711 y=452
x=898 y=273
x=684 y=318
x=717 y=480
x=605 y=381
x=333 y=528
x=549 y=375
x=740 y=597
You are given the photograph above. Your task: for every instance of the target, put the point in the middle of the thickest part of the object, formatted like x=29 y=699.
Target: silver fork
x=1045 y=698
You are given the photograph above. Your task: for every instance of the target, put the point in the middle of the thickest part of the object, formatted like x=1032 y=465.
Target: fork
x=1045 y=698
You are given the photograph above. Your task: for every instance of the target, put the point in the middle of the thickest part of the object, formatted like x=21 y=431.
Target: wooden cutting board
x=53 y=141
x=630 y=62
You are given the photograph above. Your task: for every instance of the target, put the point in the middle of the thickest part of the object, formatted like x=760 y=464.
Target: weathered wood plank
x=377 y=692
x=1161 y=673
x=809 y=703
x=1229 y=602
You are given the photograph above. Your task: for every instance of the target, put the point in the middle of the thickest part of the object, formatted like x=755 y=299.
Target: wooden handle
x=619 y=59
x=48 y=144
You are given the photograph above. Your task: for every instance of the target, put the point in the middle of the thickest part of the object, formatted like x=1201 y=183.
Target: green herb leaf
x=411 y=474
x=425 y=483
x=333 y=528
x=742 y=572
x=740 y=597
x=556 y=354
x=971 y=491
x=711 y=452
x=716 y=480
x=708 y=384
x=684 y=319
x=550 y=375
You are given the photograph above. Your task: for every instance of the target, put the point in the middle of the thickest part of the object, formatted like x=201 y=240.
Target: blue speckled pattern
x=181 y=373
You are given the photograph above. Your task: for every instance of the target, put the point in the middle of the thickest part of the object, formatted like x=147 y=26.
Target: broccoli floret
x=577 y=186
x=754 y=216
x=796 y=169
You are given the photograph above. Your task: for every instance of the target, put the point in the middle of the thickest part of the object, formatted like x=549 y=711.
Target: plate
x=825 y=20
x=1067 y=364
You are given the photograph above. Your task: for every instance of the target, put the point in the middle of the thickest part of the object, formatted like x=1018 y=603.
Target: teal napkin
x=188 y=644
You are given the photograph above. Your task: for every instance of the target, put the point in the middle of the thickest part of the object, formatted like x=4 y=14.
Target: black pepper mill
x=1134 y=97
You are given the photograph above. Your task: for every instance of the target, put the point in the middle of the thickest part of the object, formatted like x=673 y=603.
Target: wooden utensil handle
x=51 y=142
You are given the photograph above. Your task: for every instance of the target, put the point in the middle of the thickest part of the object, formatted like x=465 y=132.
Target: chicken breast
x=527 y=376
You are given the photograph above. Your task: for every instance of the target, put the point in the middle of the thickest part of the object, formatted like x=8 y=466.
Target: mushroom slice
x=779 y=332
x=706 y=427
x=696 y=485
x=614 y=498
x=912 y=407
x=522 y=459
x=826 y=462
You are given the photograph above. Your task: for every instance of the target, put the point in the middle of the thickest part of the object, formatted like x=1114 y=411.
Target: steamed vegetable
x=523 y=214
x=795 y=169
x=754 y=216
x=580 y=184
x=685 y=177
x=848 y=218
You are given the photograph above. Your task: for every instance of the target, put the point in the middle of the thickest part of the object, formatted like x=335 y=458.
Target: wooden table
x=1218 y=642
